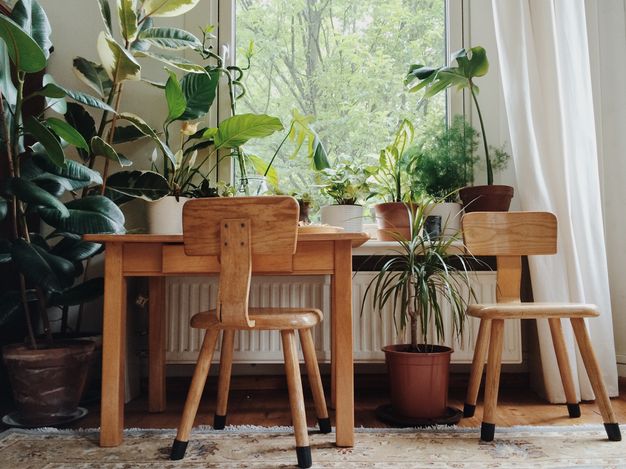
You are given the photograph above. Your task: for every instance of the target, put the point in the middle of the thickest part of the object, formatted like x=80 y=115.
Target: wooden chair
x=510 y=235
x=239 y=230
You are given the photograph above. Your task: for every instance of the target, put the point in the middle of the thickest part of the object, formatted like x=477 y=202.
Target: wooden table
x=157 y=256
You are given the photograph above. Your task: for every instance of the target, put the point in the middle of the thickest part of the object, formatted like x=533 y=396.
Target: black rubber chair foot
x=324 y=425
x=612 y=431
x=487 y=431
x=219 y=422
x=573 y=410
x=304 y=456
x=468 y=410
x=178 y=450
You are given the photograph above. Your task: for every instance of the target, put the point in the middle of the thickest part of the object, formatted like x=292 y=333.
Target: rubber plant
x=41 y=182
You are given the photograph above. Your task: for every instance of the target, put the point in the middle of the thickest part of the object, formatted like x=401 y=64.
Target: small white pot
x=165 y=216
x=450 y=213
x=348 y=217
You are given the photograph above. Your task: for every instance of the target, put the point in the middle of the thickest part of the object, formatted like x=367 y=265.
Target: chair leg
x=193 y=396
x=478 y=364
x=315 y=380
x=223 y=382
x=556 y=330
x=492 y=382
x=597 y=383
x=296 y=400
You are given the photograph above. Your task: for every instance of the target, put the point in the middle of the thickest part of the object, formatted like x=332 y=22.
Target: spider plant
x=420 y=279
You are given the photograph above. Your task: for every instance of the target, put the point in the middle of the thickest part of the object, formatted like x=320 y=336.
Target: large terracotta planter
x=418 y=381
x=494 y=198
x=47 y=383
x=392 y=219
x=348 y=217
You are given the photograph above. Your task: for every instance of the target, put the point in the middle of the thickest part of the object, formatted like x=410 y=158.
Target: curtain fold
x=546 y=74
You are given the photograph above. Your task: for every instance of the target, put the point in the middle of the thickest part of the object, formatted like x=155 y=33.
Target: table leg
x=156 y=339
x=113 y=348
x=342 y=336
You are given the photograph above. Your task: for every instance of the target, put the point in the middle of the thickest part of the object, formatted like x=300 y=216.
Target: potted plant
x=443 y=165
x=470 y=64
x=47 y=375
x=390 y=181
x=345 y=184
x=417 y=282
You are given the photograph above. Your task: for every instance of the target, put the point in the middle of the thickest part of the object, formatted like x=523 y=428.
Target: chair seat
x=264 y=318
x=532 y=310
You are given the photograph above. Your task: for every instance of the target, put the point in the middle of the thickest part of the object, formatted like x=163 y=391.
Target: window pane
x=343 y=62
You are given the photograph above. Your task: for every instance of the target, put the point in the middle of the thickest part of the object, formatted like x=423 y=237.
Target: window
x=341 y=62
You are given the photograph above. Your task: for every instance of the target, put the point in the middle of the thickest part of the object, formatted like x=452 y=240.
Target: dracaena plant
x=42 y=182
x=471 y=63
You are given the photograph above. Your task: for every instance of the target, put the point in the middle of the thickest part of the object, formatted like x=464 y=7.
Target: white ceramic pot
x=450 y=213
x=348 y=217
x=165 y=216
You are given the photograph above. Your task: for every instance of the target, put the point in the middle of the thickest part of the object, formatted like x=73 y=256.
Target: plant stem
x=111 y=133
x=269 y=165
x=482 y=129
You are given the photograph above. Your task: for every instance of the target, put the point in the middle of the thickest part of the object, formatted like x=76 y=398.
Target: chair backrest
x=235 y=229
x=509 y=235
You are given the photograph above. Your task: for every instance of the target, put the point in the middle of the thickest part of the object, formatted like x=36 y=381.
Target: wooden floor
x=264 y=401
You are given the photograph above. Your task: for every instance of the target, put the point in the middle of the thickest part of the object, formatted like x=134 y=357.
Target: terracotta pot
x=392 y=219
x=418 y=381
x=47 y=383
x=494 y=198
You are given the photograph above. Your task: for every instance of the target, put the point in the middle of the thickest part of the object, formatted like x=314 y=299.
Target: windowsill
x=374 y=247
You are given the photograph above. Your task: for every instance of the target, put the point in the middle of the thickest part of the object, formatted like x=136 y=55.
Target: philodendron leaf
x=141 y=125
x=23 y=50
x=53 y=148
x=105 y=11
x=117 y=62
x=176 y=102
x=89 y=290
x=170 y=38
x=176 y=62
x=93 y=75
x=91 y=214
x=31 y=193
x=30 y=262
x=32 y=19
x=200 y=90
x=168 y=7
x=126 y=12
x=146 y=185
x=237 y=130
x=67 y=132
x=102 y=148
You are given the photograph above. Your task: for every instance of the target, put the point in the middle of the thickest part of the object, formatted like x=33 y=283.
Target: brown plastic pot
x=418 y=381
x=494 y=198
x=47 y=383
x=392 y=219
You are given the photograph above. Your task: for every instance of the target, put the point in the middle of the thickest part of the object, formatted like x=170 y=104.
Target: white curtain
x=544 y=61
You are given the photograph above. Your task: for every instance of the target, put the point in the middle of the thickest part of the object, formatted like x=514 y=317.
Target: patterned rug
x=258 y=447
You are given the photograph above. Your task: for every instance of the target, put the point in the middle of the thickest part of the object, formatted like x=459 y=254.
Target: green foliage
x=444 y=160
x=25 y=53
x=345 y=182
x=418 y=280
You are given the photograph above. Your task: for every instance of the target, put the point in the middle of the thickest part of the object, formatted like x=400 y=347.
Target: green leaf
x=260 y=166
x=24 y=52
x=11 y=304
x=71 y=175
x=4 y=208
x=105 y=11
x=176 y=102
x=139 y=44
x=127 y=133
x=82 y=121
x=91 y=214
x=146 y=185
x=200 y=91
x=92 y=74
x=126 y=12
x=64 y=269
x=117 y=62
x=55 y=97
x=141 y=125
x=76 y=250
x=84 y=292
x=67 y=132
x=54 y=90
x=174 y=61
x=168 y=8
x=170 y=38
x=54 y=151
x=30 y=262
x=28 y=192
x=29 y=15
x=101 y=148
x=7 y=88
x=237 y=130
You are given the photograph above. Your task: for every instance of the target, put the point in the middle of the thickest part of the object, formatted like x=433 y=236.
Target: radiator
x=189 y=295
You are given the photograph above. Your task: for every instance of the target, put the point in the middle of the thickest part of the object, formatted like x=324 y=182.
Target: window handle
x=225 y=52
